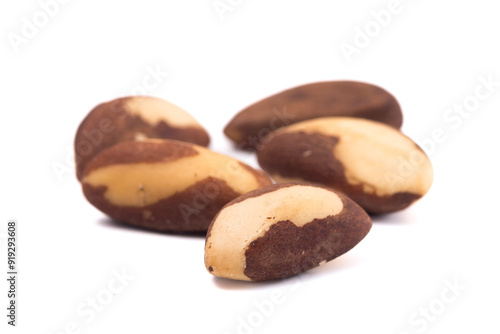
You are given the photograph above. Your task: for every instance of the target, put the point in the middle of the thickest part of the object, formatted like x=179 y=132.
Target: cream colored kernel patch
x=154 y=110
x=374 y=155
x=239 y=224
x=142 y=184
x=282 y=179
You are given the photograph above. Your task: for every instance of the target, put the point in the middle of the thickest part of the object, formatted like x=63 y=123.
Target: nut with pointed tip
x=282 y=230
x=374 y=164
x=133 y=118
x=166 y=185
x=321 y=99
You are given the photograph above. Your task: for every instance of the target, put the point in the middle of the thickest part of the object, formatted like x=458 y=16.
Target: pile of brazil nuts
x=332 y=153
x=151 y=170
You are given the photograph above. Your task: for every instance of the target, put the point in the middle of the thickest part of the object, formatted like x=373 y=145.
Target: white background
x=431 y=56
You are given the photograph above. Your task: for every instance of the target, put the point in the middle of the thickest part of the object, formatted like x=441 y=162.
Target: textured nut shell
x=132 y=118
x=166 y=185
x=282 y=230
x=321 y=99
x=375 y=165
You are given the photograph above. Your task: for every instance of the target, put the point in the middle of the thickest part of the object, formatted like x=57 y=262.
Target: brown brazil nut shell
x=315 y=100
x=166 y=185
x=132 y=118
x=374 y=164
x=282 y=230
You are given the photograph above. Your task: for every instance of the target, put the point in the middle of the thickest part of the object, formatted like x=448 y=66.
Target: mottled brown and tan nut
x=282 y=230
x=166 y=185
x=374 y=164
x=131 y=118
x=322 y=99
